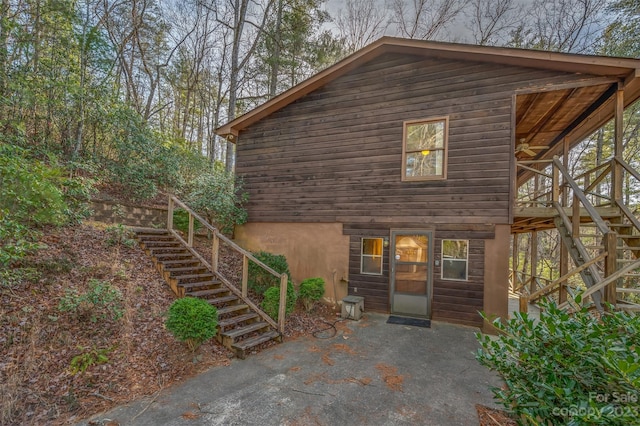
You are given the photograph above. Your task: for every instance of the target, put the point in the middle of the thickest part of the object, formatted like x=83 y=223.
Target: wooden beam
x=618 y=145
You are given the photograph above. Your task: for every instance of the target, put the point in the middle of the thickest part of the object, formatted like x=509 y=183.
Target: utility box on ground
x=352 y=307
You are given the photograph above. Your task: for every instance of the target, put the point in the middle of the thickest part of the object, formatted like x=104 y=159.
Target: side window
x=424 y=149
x=455 y=259
x=371 y=256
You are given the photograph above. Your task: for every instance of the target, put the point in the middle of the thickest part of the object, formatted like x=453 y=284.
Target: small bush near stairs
x=271 y=301
x=192 y=321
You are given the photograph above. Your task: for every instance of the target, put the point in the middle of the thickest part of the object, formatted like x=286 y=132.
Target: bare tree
x=491 y=20
x=561 y=25
x=360 y=23
x=425 y=19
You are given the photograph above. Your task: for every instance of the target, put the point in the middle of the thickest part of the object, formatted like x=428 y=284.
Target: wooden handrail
x=565 y=277
x=577 y=192
x=633 y=172
x=611 y=278
x=213 y=266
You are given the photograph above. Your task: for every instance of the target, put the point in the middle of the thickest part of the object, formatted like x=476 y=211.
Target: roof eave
x=567 y=62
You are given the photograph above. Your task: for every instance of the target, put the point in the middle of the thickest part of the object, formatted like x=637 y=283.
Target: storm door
x=411 y=283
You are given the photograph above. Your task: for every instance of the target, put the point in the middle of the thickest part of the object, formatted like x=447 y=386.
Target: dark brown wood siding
x=453 y=301
x=336 y=154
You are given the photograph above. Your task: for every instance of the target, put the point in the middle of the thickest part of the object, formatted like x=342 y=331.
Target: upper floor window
x=424 y=151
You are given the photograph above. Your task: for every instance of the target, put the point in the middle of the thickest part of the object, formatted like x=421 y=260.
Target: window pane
x=371 y=256
x=454 y=269
x=371 y=264
x=372 y=246
x=425 y=163
x=411 y=248
x=425 y=136
x=454 y=249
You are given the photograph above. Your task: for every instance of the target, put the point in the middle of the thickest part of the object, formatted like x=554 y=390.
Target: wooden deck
x=528 y=219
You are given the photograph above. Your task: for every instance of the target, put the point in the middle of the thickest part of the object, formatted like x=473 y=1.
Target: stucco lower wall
x=311 y=249
x=496 y=275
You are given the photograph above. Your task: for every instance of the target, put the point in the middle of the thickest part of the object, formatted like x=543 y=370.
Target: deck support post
x=534 y=261
x=617 y=178
x=564 y=251
x=610 y=265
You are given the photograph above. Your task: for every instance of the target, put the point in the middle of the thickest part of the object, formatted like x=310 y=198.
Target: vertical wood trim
x=190 y=237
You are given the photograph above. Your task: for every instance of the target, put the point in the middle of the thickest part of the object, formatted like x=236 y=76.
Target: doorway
x=411 y=272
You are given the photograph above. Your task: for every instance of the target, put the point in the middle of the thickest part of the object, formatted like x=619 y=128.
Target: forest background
x=128 y=93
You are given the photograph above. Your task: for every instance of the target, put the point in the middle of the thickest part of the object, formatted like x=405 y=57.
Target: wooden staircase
x=240 y=328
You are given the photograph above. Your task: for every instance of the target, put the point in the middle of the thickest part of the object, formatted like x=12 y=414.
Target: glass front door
x=411 y=253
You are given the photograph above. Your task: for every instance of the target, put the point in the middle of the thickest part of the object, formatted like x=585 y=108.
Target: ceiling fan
x=529 y=149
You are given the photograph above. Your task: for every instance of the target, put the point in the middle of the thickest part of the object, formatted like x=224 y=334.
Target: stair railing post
x=523 y=303
x=610 y=265
x=215 y=248
x=555 y=192
x=245 y=275
x=170 y=214
x=190 y=237
x=283 y=301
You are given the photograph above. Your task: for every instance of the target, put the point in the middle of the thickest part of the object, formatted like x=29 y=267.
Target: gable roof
x=626 y=70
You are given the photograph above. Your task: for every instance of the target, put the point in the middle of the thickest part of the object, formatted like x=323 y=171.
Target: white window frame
x=442 y=261
x=363 y=255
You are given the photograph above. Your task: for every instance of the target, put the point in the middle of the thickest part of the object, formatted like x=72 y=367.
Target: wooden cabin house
x=393 y=174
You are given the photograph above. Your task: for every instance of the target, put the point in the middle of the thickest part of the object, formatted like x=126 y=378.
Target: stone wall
x=128 y=214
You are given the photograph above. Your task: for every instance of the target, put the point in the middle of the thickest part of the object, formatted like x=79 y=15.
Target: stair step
x=243 y=346
x=230 y=309
x=224 y=299
x=154 y=244
x=171 y=249
x=237 y=332
x=199 y=285
x=237 y=320
x=204 y=294
x=188 y=269
x=174 y=256
x=193 y=261
x=206 y=276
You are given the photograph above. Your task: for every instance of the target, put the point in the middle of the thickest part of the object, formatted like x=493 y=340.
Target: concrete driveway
x=370 y=373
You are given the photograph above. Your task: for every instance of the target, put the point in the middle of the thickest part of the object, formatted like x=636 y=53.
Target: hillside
x=38 y=342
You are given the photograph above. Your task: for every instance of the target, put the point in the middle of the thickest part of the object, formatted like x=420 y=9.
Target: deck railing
x=215 y=256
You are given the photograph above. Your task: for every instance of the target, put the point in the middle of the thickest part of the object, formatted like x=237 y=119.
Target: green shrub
x=567 y=369
x=311 y=290
x=260 y=280
x=271 y=301
x=181 y=221
x=87 y=358
x=192 y=321
x=101 y=301
x=120 y=235
x=217 y=195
